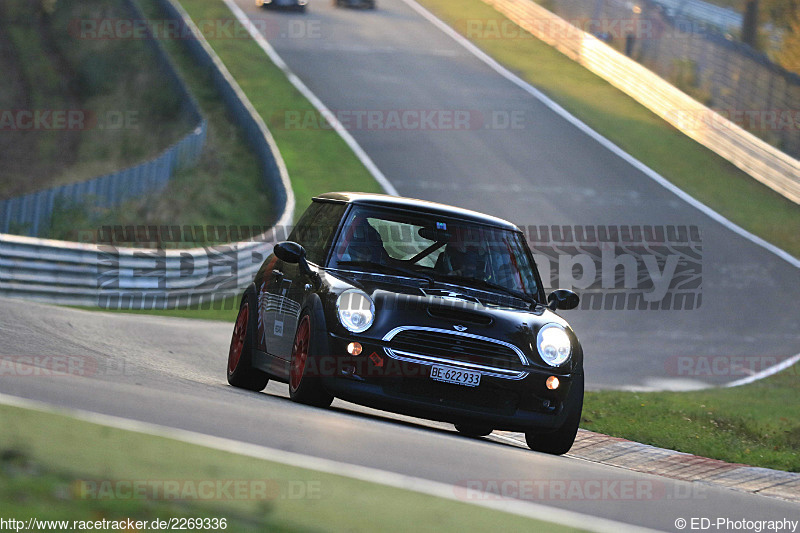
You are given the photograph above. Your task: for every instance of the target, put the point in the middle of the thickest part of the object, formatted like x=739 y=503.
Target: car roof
x=412 y=204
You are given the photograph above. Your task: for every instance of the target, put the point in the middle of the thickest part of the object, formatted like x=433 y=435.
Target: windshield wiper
x=390 y=268
x=487 y=284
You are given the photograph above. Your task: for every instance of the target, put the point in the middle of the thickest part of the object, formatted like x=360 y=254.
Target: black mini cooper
x=416 y=308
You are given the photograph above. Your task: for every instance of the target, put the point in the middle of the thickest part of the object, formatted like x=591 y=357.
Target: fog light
x=354 y=348
x=552 y=383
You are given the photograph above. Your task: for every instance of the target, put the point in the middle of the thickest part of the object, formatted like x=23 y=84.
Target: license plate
x=453 y=375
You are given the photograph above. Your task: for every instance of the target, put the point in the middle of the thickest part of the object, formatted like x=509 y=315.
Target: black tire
x=307 y=347
x=559 y=442
x=240 y=355
x=301 y=9
x=470 y=430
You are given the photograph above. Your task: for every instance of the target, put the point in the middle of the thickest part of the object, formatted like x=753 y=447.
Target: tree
x=781 y=13
x=784 y=15
x=789 y=56
x=750 y=23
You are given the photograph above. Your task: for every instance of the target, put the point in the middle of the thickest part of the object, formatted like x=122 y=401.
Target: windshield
x=436 y=249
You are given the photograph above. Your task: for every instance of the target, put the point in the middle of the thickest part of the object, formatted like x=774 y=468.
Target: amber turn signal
x=354 y=348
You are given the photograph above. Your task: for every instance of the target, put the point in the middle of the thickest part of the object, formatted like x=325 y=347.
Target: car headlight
x=356 y=310
x=553 y=344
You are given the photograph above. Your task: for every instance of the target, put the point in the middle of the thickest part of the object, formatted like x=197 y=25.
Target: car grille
x=464 y=350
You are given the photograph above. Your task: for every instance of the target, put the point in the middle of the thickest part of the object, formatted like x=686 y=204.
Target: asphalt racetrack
x=542 y=171
x=171 y=372
x=472 y=138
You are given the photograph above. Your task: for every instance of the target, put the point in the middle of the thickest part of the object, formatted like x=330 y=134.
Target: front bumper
x=285 y=3
x=375 y=379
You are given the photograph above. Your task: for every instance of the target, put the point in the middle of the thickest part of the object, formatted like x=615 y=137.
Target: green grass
x=318 y=160
x=756 y=424
x=54 y=467
x=224 y=309
x=230 y=199
x=695 y=169
x=130 y=114
x=225 y=187
x=116 y=78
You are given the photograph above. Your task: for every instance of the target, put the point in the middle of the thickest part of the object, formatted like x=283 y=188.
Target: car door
x=288 y=286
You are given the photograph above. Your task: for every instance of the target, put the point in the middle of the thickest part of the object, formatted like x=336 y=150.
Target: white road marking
x=566 y=115
x=366 y=160
x=765 y=373
x=362 y=473
x=494 y=65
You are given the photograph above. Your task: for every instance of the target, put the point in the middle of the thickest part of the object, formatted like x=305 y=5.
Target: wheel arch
x=319 y=322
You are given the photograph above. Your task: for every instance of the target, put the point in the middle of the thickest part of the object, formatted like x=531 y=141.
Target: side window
x=316 y=228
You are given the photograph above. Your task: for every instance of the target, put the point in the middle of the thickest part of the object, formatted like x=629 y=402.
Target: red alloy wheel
x=300 y=353
x=239 y=335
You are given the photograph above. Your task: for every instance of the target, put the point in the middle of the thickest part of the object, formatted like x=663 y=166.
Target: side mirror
x=563 y=299
x=292 y=252
x=289 y=251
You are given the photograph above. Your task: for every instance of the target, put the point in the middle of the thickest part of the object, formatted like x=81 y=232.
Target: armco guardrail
x=31 y=213
x=762 y=161
x=699 y=10
x=72 y=273
x=246 y=117
x=134 y=278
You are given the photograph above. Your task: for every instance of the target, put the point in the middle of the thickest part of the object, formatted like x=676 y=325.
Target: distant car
x=416 y=308
x=369 y=4
x=299 y=5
